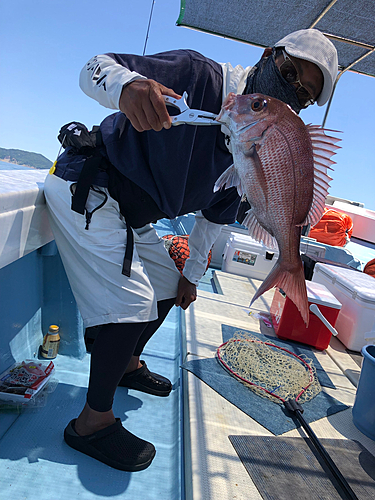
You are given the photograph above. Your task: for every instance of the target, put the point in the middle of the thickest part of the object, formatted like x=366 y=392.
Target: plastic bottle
x=51 y=343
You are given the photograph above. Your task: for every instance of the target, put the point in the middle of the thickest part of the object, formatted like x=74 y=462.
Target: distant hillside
x=25 y=158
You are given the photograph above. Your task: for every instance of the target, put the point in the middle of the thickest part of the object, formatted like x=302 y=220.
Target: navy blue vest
x=178 y=167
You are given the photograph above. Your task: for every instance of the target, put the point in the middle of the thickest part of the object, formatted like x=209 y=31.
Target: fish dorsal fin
x=229 y=178
x=324 y=147
x=258 y=232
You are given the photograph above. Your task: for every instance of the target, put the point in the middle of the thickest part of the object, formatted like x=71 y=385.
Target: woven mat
x=284 y=468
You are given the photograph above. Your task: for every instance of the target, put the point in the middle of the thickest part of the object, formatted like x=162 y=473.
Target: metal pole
x=323 y=13
x=371 y=51
x=330 y=100
x=349 y=493
x=148 y=28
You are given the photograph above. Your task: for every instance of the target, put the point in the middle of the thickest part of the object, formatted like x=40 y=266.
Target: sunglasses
x=290 y=74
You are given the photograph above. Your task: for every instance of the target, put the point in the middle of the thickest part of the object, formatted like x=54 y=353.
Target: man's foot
x=113 y=445
x=143 y=380
x=90 y=421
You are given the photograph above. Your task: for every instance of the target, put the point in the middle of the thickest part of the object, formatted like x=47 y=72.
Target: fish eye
x=258 y=105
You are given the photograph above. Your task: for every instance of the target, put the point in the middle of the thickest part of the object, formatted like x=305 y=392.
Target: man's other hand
x=141 y=101
x=186 y=294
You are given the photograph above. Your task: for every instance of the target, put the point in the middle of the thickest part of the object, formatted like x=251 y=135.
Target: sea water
x=4 y=165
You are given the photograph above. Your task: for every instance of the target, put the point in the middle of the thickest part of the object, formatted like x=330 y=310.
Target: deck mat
x=283 y=468
x=271 y=415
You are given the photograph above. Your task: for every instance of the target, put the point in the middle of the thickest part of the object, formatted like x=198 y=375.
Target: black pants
x=111 y=352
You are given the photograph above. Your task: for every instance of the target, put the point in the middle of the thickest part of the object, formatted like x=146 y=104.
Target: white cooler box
x=356 y=292
x=219 y=245
x=246 y=257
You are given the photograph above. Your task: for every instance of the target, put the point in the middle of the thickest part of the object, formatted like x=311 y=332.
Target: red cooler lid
x=319 y=294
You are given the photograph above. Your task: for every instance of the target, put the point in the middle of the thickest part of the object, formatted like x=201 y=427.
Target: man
x=153 y=170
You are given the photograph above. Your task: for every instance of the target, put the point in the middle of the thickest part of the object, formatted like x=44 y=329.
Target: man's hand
x=141 y=101
x=186 y=294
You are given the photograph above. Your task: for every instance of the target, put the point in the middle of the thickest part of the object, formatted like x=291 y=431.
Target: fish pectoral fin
x=250 y=149
x=258 y=232
x=259 y=176
x=228 y=179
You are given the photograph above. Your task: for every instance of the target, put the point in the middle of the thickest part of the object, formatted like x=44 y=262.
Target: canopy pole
x=148 y=27
x=323 y=13
x=338 y=78
x=330 y=99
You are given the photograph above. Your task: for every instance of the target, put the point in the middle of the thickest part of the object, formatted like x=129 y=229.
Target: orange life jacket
x=334 y=228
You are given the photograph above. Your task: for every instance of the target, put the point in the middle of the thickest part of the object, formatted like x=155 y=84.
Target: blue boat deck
x=195 y=459
x=36 y=464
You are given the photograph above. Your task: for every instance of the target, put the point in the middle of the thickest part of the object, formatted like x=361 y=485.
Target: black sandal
x=145 y=381
x=114 y=446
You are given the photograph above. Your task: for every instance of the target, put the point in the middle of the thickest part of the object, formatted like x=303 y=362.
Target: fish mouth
x=247 y=127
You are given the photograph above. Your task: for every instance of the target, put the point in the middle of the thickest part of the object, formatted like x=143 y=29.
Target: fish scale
x=281 y=165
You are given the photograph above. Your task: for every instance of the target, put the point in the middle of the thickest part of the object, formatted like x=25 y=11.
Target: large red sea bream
x=281 y=165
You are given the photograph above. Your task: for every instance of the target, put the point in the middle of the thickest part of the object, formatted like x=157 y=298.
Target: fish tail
x=292 y=282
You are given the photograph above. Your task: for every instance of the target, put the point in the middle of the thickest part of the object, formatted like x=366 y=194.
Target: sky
x=45 y=43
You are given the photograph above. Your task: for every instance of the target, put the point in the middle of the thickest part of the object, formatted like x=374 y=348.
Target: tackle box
x=288 y=323
x=356 y=292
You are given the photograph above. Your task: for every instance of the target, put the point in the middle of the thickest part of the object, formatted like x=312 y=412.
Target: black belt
x=97 y=161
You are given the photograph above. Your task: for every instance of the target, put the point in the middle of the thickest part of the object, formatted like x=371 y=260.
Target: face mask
x=267 y=80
